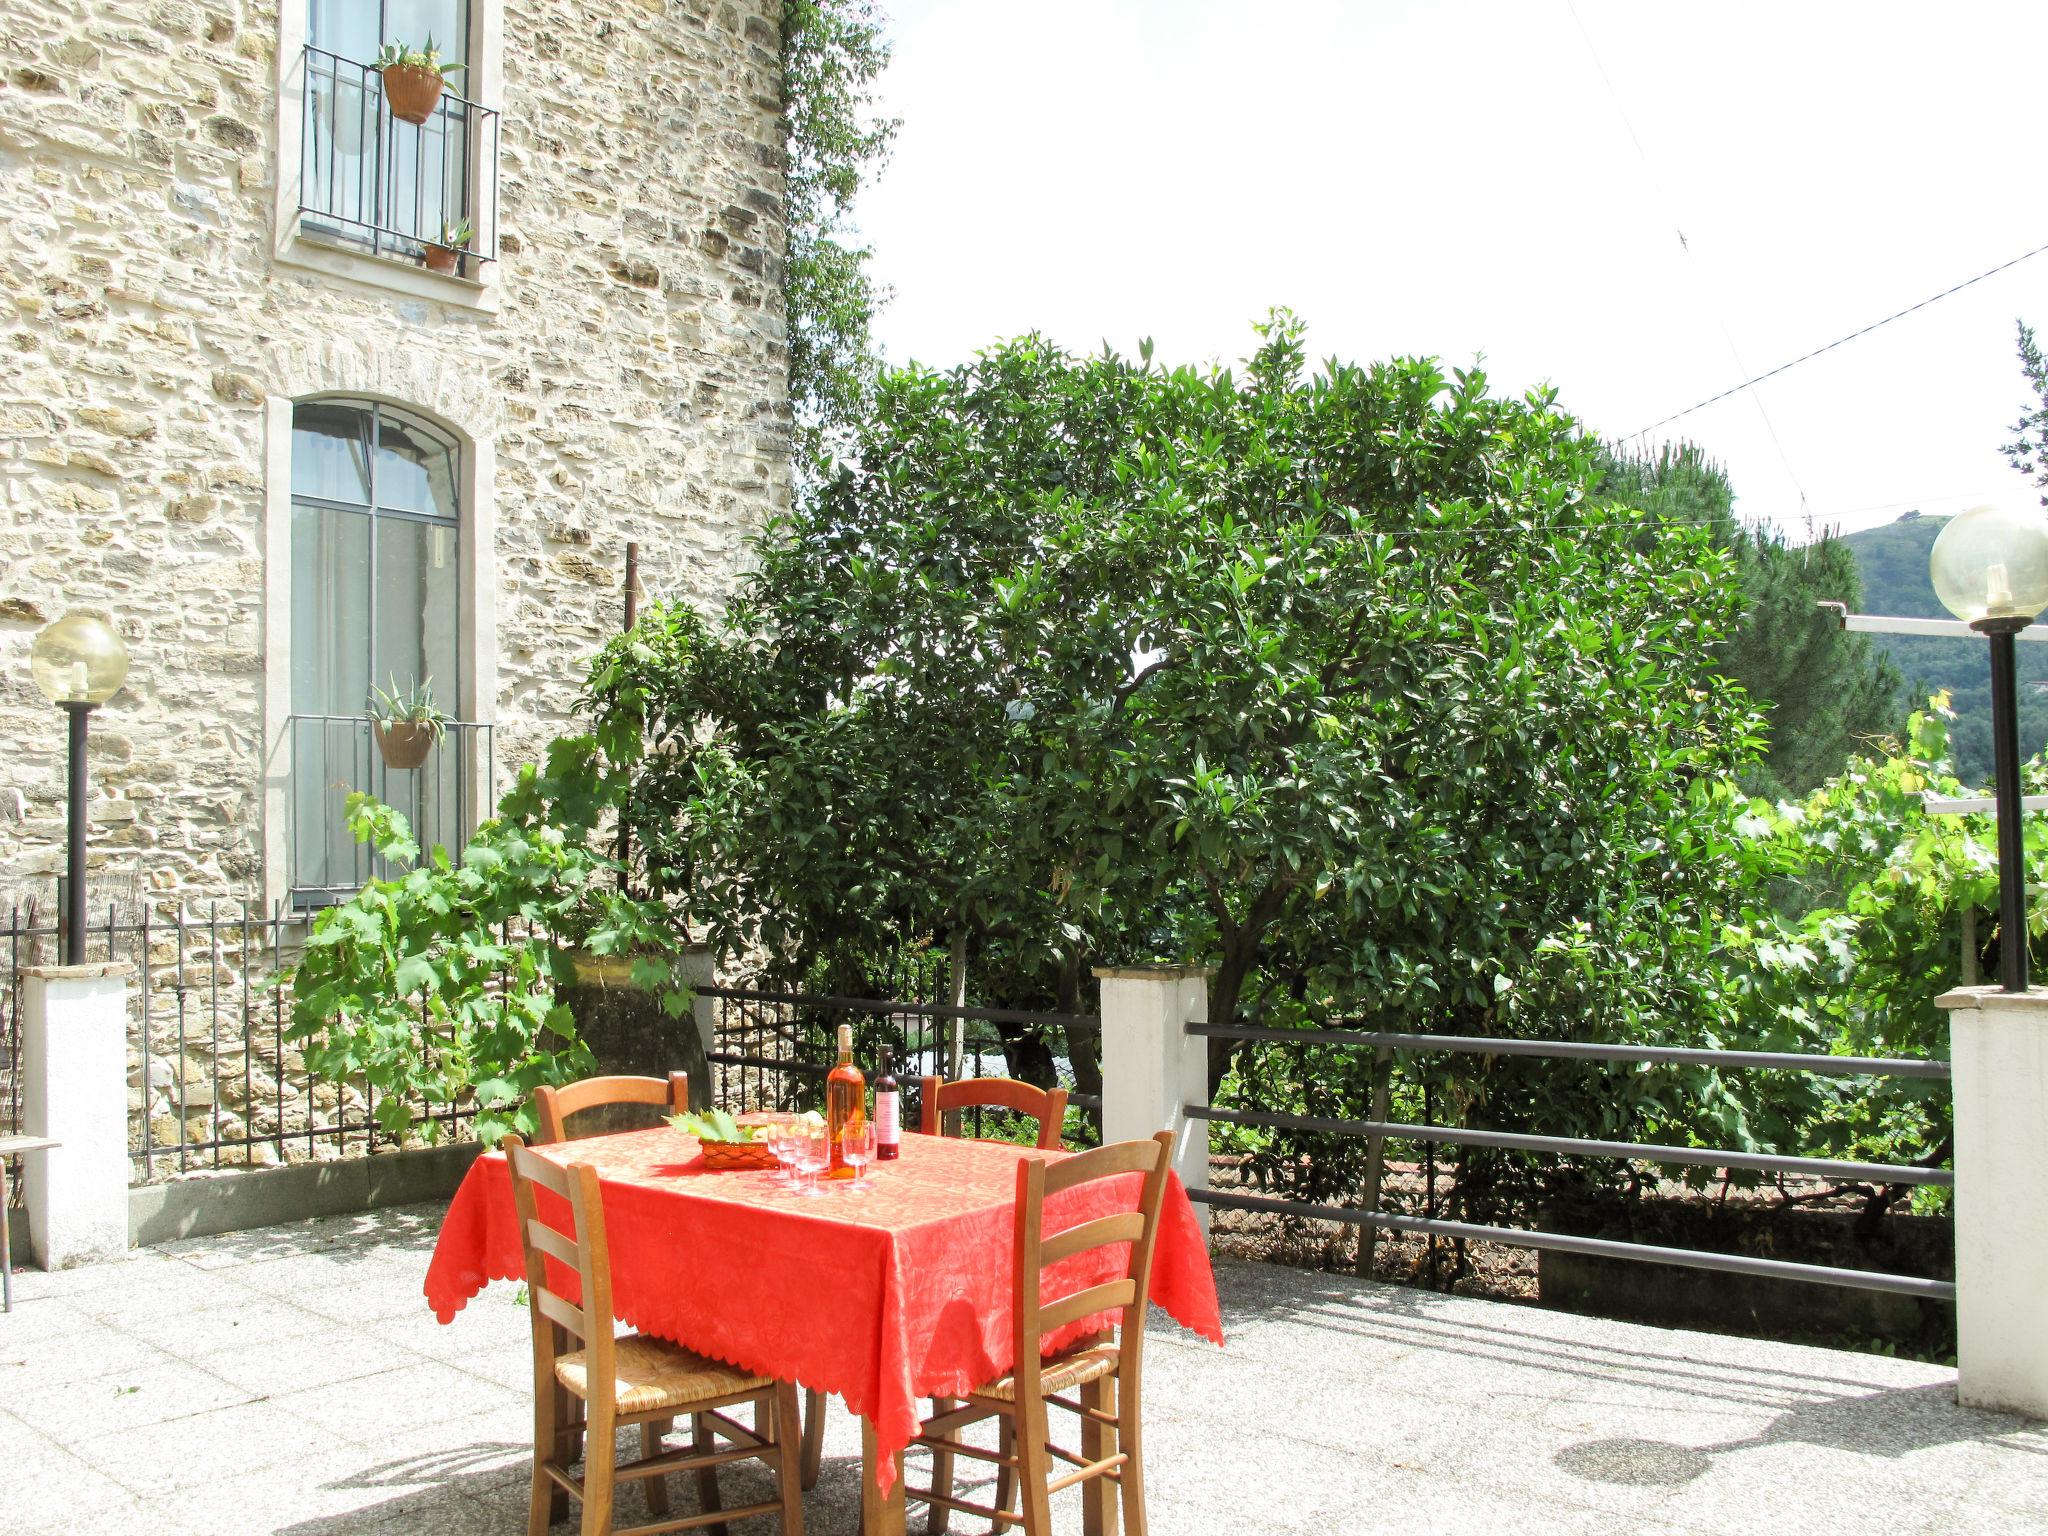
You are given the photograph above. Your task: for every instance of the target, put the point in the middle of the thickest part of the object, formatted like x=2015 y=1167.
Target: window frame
x=309 y=248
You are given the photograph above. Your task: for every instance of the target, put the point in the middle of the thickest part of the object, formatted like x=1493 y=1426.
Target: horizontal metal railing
x=335 y=755
x=370 y=179
x=1378 y=1131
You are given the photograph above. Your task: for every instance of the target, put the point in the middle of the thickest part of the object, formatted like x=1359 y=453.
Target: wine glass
x=857 y=1146
x=782 y=1145
x=813 y=1154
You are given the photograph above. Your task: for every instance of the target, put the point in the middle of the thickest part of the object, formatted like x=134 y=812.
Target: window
x=371 y=182
x=376 y=602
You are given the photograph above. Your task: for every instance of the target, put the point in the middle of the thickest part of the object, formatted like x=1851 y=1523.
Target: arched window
x=376 y=603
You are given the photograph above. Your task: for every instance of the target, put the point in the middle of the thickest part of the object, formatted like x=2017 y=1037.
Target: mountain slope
x=1892 y=561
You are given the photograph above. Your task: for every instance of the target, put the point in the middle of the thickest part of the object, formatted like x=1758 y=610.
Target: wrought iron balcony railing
x=333 y=756
x=377 y=183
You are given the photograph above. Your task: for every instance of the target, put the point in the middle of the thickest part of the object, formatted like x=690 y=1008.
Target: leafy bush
x=438 y=985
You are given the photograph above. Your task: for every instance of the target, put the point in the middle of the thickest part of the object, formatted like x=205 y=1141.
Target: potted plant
x=406 y=724
x=445 y=254
x=413 y=78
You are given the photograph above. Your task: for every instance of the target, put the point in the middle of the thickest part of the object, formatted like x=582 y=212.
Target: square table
x=882 y=1298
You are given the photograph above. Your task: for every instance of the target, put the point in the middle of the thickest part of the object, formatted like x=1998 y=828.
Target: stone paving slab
x=290 y=1382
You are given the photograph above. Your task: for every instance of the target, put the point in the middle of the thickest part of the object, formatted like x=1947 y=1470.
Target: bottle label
x=888 y=1120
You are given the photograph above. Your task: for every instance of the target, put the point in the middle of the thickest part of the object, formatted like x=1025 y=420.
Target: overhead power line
x=1693 y=264
x=1808 y=357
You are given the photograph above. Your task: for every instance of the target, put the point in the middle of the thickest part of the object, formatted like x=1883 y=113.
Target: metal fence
x=212 y=1081
x=1378 y=1130
x=772 y=1050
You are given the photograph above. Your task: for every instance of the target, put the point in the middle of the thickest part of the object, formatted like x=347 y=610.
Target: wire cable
x=1807 y=357
x=1692 y=262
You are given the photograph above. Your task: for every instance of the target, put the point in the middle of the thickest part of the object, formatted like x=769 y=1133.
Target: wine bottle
x=845 y=1101
x=888 y=1112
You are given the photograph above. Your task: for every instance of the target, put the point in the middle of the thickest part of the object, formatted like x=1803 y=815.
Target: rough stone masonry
x=632 y=378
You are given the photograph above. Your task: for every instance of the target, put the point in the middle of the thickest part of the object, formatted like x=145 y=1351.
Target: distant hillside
x=1892 y=561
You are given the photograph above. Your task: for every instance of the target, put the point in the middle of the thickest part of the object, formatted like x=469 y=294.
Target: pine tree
x=1823 y=691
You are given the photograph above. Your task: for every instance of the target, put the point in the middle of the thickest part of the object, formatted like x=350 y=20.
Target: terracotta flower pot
x=443 y=258
x=411 y=92
x=403 y=743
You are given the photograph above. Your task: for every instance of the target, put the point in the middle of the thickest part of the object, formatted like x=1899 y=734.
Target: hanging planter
x=407 y=725
x=413 y=78
x=445 y=254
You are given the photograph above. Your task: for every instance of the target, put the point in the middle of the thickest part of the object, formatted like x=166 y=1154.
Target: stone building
x=242 y=417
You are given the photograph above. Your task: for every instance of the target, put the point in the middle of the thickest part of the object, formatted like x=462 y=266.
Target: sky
x=1506 y=180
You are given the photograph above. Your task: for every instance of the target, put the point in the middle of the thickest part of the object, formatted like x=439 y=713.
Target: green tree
x=1825 y=693
x=833 y=51
x=1335 y=677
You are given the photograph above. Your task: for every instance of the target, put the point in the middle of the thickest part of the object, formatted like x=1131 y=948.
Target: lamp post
x=1990 y=569
x=79 y=663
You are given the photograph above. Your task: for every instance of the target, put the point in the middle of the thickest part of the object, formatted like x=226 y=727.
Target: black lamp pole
x=2005 y=759
x=74 y=858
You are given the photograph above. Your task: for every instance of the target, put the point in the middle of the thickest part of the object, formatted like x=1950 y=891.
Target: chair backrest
x=575 y=1245
x=553 y=1106
x=1136 y=1224
x=941 y=1099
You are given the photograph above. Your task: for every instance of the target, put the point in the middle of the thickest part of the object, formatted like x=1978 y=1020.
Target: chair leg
x=942 y=1473
x=814 y=1437
x=600 y=1467
x=1130 y=1442
x=1033 y=1466
x=1098 y=1494
x=650 y=1445
x=1006 y=1477
x=547 y=1502
x=703 y=1442
x=789 y=1460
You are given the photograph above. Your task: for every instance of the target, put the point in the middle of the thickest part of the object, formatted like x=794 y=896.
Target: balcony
x=334 y=756
x=375 y=184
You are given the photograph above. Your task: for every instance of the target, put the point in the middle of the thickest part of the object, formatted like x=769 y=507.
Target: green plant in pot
x=445 y=254
x=413 y=78
x=407 y=723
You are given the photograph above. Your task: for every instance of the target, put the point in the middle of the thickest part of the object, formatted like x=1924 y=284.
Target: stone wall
x=632 y=380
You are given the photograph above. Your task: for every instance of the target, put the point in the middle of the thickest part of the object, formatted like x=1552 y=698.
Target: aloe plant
x=402 y=55
x=408 y=706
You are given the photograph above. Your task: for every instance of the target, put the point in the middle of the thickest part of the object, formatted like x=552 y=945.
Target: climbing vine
x=833 y=51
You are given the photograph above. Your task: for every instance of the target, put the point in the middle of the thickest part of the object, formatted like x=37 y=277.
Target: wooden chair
x=1104 y=1370
x=555 y=1105
x=624 y=1381
x=943 y=1101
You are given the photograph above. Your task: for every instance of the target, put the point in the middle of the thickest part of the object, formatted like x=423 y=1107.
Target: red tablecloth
x=883 y=1298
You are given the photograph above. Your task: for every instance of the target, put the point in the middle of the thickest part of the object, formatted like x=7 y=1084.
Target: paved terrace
x=291 y=1381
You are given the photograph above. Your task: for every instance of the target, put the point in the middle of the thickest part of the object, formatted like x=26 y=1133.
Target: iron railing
x=1378 y=1130
x=772 y=1050
x=333 y=756
x=213 y=1083
x=374 y=181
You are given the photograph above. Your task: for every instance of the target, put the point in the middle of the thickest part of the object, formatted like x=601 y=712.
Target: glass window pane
x=346 y=27
x=330 y=610
x=417 y=621
x=331 y=451
x=415 y=469
x=446 y=21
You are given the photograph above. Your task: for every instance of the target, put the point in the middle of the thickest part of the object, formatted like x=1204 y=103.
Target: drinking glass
x=782 y=1143
x=813 y=1155
x=857 y=1146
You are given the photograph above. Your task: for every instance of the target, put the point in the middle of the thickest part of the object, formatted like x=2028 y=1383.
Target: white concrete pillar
x=1998 y=1053
x=1152 y=1067
x=75 y=1091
